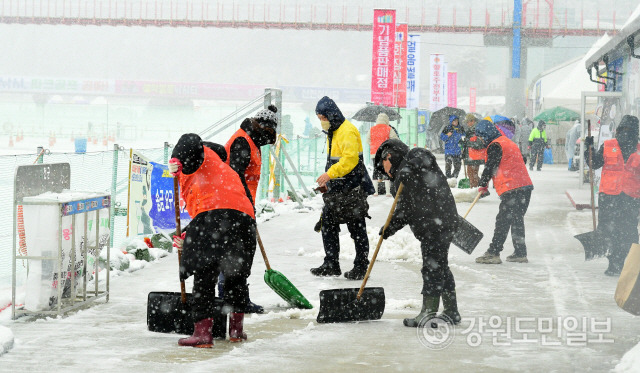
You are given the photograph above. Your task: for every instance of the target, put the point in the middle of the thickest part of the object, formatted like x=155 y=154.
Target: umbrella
x=370 y=113
x=440 y=119
x=504 y=124
x=557 y=114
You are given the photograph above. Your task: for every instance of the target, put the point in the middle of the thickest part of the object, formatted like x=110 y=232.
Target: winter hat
x=470 y=118
x=398 y=151
x=452 y=118
x=267 y=117
x=541 y=124
x=382 y=119
x=487 y=131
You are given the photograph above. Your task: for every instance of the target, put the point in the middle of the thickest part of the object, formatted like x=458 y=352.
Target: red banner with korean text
x=384 y=31
x=400 y=66
x=472 y=100
x=452 y=89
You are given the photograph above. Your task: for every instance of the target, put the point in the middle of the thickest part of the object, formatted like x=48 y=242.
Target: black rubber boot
x=357 y=273
x=450 y=313
x=327 y=269
x=429 y=308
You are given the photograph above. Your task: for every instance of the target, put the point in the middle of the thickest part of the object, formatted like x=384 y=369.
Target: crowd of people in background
x=424 y=202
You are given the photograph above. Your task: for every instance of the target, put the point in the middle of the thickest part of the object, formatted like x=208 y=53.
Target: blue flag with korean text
x=163 y=210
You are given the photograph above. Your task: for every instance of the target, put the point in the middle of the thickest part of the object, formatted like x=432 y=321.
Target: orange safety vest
x=214 y=186
x=379 y=134
x=252 y=173
x=477 y=154
x=512 y=172
x=618 y=176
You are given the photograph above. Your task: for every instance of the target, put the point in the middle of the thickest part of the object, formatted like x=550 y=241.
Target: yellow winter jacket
x=346 y=148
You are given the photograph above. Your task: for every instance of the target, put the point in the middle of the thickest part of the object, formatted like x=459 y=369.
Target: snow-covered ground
x=555 y=313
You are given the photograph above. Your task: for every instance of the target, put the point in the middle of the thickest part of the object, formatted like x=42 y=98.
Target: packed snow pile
x=630 y=362
x=6 y=339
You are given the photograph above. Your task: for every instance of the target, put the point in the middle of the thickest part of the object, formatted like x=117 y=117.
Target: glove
x=529 y=147
x=175 y=166
x=179 y=240
x=385 y=233
x=484 y=191
x=588 y=141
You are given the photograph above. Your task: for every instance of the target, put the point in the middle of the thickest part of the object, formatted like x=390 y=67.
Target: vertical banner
x=445 y=85
x=162 y=212
x=140 y=202
x=413 y=70
x=435 y=82
x=400 y=66
x=384 y=30
x=472 y=99
x=452 y=89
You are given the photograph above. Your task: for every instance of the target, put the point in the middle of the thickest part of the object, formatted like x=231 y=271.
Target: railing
x=306 y=14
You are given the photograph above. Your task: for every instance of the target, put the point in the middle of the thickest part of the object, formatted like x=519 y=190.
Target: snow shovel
x=467 y=236
x=280 y=284
x=464 y=183
x=592 y=242
x=169 y=312
x=341 y=305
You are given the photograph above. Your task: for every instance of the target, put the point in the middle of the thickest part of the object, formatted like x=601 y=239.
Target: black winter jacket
x=426 y=202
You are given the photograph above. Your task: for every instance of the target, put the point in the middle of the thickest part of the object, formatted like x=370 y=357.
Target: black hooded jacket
x=627 y=136
x=426 y=203
x=190 y=151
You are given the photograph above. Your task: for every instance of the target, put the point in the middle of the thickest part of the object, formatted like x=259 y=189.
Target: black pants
x=219 y=241
x=436 y=274
x=456 y=160
x=537 y=154
x=618 y=222
x=513 y=206
x=331 y=240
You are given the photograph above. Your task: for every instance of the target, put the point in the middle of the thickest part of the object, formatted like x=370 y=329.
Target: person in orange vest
x=221 y=236
x=245 y=158
x=474 y=150
x=504 y=164
x=619 y=193
x=378 y=134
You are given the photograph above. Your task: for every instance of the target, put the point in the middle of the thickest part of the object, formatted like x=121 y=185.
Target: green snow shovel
x=464 y=183
x=280 y=284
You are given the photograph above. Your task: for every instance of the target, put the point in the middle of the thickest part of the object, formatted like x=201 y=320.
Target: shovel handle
x=593 y=205
x=264 y=254
x=473 y=204
x=375 y=253
x=176 y=199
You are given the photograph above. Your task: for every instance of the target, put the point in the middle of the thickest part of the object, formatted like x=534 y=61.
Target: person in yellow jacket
x=537 y=144
x=346 y=185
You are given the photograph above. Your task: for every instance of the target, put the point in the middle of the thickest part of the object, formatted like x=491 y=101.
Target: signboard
x=413 y=72
x=452 y=90
x=384 y=29
x=472 y=99
x=400 y=66
x=436 y=99
x=162 y=213
x=140 y=202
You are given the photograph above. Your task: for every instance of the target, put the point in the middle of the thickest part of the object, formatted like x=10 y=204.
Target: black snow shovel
x=341 y=305
x=170 y=312
x=467 y=236
x=592 y=242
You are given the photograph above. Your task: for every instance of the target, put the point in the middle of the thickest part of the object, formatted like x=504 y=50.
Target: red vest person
x=378 y=134
x=244 y=158
x=619 y=197
x=221 y=236
x=506 y=167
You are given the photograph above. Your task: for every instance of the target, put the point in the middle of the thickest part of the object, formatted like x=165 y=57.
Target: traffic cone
x=10 y=141
x=105 y=141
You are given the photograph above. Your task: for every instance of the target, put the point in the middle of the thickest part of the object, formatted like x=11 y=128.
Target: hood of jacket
x=329 y=109
x=487 y=131
x=398 y=151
